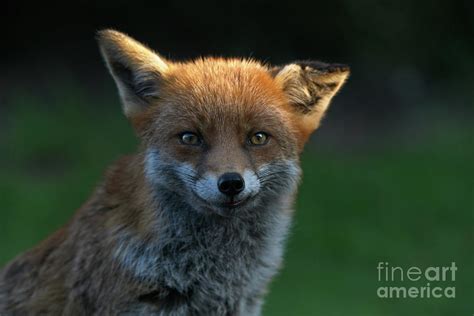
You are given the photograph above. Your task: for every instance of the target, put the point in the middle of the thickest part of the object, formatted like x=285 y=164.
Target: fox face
x=225 y=145
x=223 y=134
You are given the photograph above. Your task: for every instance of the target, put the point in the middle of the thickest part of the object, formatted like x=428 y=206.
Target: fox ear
x=136 y=69
x=310 y=86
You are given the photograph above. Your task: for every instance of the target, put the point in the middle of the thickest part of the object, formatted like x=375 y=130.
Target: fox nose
x=231 y=183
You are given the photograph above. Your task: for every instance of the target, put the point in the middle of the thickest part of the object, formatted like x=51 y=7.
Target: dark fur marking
x=143 y=88
x=15 y=269
x=167 y=298
x=322 y=66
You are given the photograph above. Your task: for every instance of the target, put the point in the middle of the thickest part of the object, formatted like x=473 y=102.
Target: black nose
x=231 y=183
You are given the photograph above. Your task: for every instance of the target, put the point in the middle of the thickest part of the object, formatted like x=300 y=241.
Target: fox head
x=223 y=134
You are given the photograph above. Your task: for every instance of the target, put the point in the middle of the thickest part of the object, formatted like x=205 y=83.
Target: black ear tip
x=322 y=66
x=339 y=68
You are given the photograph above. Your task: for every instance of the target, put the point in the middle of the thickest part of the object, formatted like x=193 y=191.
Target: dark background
x=388 y=177
x=407 y=57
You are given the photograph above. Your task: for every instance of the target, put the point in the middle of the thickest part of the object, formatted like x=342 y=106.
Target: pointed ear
x=136 y=69
x=310 y=87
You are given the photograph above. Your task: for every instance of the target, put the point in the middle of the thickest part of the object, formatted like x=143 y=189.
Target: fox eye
x=259 y=139
x=189 y=138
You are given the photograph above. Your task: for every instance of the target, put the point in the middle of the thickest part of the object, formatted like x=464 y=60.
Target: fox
x=196 y=220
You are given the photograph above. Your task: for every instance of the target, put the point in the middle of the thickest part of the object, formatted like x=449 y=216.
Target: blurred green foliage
x=406 y=204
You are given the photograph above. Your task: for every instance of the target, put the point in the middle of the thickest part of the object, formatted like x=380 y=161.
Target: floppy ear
x=310 y=86
x=136 y=69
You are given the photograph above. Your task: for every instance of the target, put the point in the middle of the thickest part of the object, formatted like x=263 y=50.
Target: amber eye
x=259 y=138
x=189 y=138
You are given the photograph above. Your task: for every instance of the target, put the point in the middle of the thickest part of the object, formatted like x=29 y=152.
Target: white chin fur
x=204 y=188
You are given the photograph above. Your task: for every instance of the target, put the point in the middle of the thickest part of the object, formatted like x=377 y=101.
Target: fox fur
x=157 y=237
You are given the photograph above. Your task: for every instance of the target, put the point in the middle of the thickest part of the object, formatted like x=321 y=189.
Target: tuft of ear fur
x=310 y=86
x=136 y=69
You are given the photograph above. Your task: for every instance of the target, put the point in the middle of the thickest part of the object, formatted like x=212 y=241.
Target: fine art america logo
x=398 y=282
